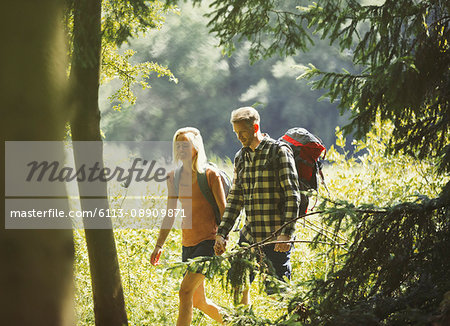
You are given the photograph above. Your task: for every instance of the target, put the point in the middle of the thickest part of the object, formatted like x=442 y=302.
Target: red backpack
x=307 y=149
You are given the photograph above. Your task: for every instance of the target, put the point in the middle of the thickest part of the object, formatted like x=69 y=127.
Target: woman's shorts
x=204 y=248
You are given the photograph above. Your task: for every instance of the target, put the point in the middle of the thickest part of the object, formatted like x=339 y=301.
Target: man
x=267 y=190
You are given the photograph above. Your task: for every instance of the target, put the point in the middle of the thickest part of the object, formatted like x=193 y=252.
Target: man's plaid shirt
x=269 y=201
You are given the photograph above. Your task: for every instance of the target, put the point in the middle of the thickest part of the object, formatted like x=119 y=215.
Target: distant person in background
x=267 y=191
x=198 y=239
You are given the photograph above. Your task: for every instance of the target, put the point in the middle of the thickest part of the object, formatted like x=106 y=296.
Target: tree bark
x=109 y=305
x=36 y=286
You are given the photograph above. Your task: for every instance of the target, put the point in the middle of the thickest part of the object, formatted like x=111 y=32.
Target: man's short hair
x=246 y=114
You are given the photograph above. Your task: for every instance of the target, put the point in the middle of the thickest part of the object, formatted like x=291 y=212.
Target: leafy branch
x=119 y=66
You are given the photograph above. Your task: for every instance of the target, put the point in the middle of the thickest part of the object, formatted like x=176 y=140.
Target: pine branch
x=303 y=241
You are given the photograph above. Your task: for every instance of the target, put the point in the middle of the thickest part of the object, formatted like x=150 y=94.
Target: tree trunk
x=36 y=286
x=109 y=305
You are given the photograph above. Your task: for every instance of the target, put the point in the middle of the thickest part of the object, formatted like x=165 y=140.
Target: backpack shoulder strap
x=239 y=159
x=176 y=181
x=202 y=180
x=239 y=164
x=274 y=154
x=274 y=158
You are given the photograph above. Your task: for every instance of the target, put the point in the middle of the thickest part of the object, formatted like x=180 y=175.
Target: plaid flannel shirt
x=269 y=201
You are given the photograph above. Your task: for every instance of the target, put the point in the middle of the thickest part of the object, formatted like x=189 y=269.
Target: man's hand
x=220 y=245
x=283 y=247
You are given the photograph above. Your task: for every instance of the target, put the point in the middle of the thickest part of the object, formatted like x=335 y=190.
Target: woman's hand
x=154 y=259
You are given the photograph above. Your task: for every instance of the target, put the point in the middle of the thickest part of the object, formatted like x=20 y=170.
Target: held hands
x=154 y=259
x=220 y=245
x=283 y=247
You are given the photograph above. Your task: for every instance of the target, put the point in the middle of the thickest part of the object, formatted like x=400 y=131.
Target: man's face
x=244 y=133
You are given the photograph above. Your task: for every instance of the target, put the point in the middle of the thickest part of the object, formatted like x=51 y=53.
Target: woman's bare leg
x=206 y=305
x=189 y=285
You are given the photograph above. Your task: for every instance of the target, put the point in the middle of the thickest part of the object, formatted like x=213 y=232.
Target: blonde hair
x=247 y=114
x=195 y=139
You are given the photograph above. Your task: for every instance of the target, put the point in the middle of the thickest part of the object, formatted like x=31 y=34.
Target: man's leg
x=245 y=300
x=280 y=263
x=245 y=296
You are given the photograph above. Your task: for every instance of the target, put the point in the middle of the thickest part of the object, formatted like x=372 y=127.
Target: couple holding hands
x=270 y=198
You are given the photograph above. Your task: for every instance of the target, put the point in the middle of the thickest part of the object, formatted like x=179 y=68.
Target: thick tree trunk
x=36 y=285
x=109 y=302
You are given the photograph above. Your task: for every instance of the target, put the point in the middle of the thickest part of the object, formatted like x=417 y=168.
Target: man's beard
x=248 y=141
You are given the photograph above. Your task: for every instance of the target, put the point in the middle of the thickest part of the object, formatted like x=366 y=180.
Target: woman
x=198 y=238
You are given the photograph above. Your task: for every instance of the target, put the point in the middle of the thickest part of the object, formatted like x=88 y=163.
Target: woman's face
x=184 y=148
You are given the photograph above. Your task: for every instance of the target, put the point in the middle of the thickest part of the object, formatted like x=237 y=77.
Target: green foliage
x=366 y=167
x=150 y=296
x=245 y=316
x=390 y=266
x=380 y=249
x=401 y=46
x=274 y=27
x=394 y=271
x=115 y=65
x=151 y=293
x=121 y=21
x=397 y=262
x=211 y=85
